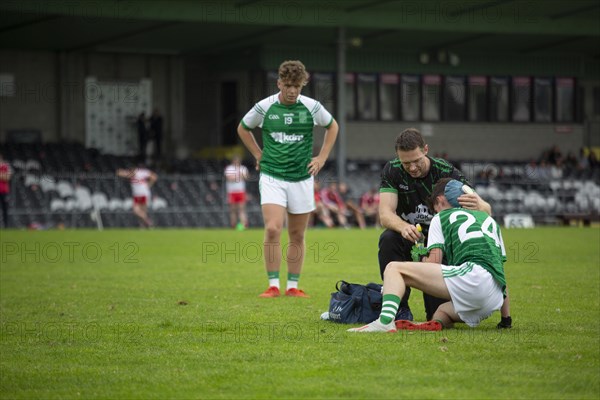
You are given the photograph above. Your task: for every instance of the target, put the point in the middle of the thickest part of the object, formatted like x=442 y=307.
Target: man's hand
x=470 y=201
x=257 y=166
x=410 y=232
x=315 y=165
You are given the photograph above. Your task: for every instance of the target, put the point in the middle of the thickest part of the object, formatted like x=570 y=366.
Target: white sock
x=274 y=282
x=292 y=284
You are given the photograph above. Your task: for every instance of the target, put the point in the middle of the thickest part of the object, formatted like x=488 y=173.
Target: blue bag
x=354 y=303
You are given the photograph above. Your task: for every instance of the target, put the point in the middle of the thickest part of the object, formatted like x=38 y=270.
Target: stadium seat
x=158 y=203
x=70 y=204
x=18 y=165
x=57 y=205
x=83 y=198
x=99 y=201
x=64 y=188
x=33 y=165
x=128 y=204
x=115 y=204
x=47 y=183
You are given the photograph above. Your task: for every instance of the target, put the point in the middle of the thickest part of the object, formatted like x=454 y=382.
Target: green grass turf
x=175 y=314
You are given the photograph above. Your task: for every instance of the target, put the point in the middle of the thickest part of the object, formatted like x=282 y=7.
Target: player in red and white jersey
x=236 y=175
x=141 y=180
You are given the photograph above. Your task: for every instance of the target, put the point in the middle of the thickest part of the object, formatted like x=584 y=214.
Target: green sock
x=389 y=308
x=273 y=278
x=292 y=281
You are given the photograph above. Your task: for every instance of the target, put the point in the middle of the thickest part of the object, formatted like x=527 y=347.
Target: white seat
x=555 y=185
x=64 y=188
x=18 y=164
x=481 y=190
x=551 y=203
x=57 y=205
x=70 y=204
x=99 y=201
x=159 y=203
x=32 y=180
x=596 y=204
x=47 y=183
x=115 y=204
x=83 y=198
x=33 y=164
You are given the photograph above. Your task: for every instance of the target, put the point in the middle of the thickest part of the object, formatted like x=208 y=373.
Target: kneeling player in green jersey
x=287 y=168
x=473 y=281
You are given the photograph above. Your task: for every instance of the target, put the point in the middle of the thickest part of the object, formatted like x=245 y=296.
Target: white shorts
x=297 y=197
x=474 y=291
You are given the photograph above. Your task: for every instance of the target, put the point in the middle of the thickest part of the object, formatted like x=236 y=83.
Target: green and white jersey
x=469 y=235
x=287 y=133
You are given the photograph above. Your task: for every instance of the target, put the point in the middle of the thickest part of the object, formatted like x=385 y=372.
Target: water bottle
x=421 y=240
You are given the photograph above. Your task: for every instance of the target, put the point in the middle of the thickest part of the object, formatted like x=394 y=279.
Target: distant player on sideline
x=473 y=280
x=287 y=168
x=236 y=175
x=141 y=180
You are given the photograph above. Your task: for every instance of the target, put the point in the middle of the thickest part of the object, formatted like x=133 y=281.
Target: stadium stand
x=61 y=184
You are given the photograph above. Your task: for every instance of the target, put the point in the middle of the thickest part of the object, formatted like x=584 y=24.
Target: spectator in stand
x=357 y=212
x=544 y=172
x=593 y=160
x=571 y=162
x=369 y=204
x=156 y=131
x=5 y=175
x=531 y=171
x=333 y=201
x=554 y=156
x=213 y=195
x=321 y=212
x=142 y=131
x=556 y=170
x=583 y=162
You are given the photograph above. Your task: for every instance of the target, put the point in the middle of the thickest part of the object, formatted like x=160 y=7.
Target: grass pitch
x=175 y=314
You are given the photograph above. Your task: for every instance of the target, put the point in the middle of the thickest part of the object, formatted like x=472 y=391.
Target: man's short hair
x=409 y=140
x=293 y=72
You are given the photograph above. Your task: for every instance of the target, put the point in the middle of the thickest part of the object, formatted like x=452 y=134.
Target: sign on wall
x=111 y=111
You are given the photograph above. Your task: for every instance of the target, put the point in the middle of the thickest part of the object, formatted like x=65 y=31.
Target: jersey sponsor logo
x=421 y=215
x=273 y=116
x=282 y=137
x=403 y=187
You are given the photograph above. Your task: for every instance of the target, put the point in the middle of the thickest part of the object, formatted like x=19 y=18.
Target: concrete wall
x=35 y=101
x=510 y=142
x=201 y=107
x=50 y=96
x=50 y=90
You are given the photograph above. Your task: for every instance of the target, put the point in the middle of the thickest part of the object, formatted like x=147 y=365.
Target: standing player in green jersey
x=287 y=168
x=473 y=280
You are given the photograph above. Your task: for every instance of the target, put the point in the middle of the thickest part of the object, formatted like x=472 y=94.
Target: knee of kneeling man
x=388 y=237
x=393 y=267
